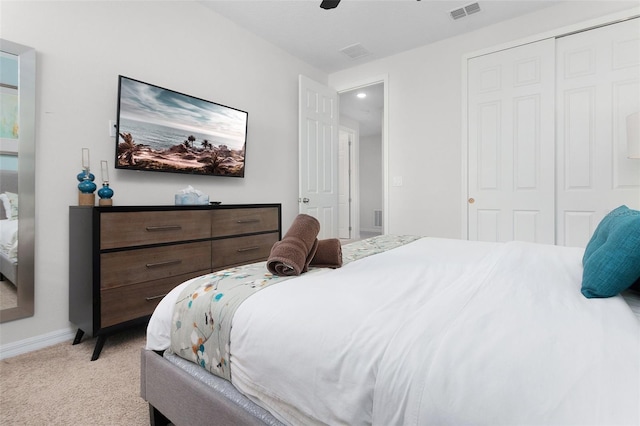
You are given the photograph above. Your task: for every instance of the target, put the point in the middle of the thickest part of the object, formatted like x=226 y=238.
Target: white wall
x=425 y=116
x=81 y=48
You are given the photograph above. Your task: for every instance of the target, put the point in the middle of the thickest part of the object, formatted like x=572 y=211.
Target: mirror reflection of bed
x=17 y=180
x=8 y=238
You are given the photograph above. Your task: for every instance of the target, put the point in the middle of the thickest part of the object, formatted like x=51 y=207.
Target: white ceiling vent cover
x=464 y=11
x=355 y=51
x=472 y=8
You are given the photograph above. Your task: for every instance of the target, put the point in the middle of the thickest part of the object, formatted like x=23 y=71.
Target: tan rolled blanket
x=292 y=255
x=328 y=254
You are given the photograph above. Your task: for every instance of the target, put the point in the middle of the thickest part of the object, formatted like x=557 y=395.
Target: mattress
x=440 y=331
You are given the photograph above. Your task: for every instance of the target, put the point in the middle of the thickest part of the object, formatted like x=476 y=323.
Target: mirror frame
x=26 y=180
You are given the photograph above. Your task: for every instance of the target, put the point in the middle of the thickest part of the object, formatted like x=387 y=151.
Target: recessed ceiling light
x=361 y=95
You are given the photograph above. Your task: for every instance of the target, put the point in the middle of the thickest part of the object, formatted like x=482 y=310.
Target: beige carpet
x=59 y=385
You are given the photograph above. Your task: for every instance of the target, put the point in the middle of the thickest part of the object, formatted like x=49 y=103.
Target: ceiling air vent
x=472 y=8
x=355 y=51
x=458 y=13
x=464 y=11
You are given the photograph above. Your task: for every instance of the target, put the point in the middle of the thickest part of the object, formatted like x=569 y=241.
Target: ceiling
x=381 y=27
x=377 y=28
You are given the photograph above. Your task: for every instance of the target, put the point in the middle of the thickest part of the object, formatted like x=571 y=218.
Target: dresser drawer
x=127 y=229
x=139 y=265
x=241 y=250
x=134 y=301
x=243 y=221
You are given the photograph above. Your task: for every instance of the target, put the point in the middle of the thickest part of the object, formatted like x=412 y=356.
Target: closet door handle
x=165 y=263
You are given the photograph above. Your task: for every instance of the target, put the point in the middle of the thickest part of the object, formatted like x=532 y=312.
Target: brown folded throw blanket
x=328 y=254
x=292 y=255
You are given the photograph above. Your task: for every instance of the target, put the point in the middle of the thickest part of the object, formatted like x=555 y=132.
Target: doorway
x=361 y=171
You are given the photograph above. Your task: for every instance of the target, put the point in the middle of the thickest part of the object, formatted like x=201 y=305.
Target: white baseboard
x=36 y=342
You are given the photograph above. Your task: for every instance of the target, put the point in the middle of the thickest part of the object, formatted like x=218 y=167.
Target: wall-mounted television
x=166 y=131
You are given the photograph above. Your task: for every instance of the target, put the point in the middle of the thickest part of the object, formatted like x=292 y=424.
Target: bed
x=408 y=331
x=9 y=226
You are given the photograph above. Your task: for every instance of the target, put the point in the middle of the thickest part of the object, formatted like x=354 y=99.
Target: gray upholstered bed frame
x=177 y=397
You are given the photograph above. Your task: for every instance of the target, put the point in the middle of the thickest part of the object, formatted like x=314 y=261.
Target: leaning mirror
x=17 y=179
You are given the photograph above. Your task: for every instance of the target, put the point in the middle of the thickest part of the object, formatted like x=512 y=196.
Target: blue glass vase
x=86 y=186
x=105 y=191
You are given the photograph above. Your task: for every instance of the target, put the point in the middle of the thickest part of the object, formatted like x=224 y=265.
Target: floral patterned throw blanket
x=202 y=316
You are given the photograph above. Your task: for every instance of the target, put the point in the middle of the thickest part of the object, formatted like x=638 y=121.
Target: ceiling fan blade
x=329 y=4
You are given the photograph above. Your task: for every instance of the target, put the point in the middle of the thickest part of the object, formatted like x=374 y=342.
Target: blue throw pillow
x=611 y=260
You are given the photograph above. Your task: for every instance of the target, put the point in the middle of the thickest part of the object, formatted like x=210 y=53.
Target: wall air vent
x=464 y=11
x=377 y=218
x=355 y=51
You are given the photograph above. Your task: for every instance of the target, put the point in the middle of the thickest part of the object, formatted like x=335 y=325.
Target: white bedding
x=437 y=332
x=9 y=238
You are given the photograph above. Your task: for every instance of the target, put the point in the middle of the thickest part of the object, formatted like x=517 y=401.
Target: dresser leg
x=99 y=344
x=78 y=337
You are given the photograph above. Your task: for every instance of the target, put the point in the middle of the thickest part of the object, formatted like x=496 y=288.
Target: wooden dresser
x=124 y=259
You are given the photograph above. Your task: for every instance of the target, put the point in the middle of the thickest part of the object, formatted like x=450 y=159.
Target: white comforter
x=9 y=238
x=441 y=332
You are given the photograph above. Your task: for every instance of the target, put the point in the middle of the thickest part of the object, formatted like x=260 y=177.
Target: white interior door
x=597 y=88
x=511 y=144
x=344 y=184
x=318 y=154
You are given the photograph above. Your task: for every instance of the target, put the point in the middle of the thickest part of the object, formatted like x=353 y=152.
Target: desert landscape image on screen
x=163 y=130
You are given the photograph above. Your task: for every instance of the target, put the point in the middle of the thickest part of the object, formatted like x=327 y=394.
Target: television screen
x=162 y=130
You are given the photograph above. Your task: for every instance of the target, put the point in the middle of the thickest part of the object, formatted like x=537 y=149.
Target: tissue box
x=191 y=196
x=191 y=199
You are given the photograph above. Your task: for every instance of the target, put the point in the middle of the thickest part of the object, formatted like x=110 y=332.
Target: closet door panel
x=597 y=87
x=511 y=144
x=579 y=107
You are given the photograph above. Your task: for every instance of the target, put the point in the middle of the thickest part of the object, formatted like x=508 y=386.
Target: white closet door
x=511 y=144
x=597 y=88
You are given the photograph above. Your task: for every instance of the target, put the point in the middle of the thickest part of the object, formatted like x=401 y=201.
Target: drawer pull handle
x=160 y=296
x=241 y=250
x=248 y=220
x=164 y=228
x=166 y=263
